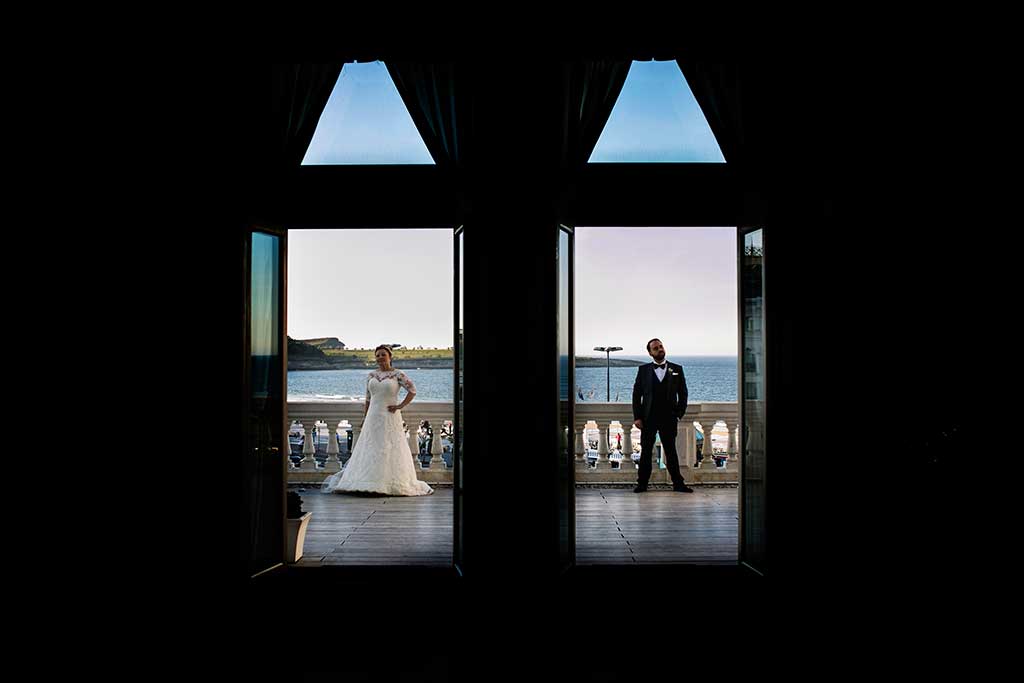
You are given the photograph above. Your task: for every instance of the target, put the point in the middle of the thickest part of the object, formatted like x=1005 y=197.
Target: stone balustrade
x=612 y=464
x=318 y=465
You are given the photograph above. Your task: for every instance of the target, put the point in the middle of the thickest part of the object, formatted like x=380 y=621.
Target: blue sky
x=366 y=122
x=656 y=119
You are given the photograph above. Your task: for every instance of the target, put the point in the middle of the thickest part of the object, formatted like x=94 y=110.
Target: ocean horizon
x=708 y=378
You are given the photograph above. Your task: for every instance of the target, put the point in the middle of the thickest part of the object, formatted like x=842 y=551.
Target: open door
x=752 y=399
x=566 y=401
x=264 y=363
x=457 y=543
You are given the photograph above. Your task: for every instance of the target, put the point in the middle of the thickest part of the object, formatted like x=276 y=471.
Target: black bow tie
x=662 y=366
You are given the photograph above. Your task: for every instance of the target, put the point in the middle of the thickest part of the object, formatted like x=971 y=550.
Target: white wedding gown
x=381 y=460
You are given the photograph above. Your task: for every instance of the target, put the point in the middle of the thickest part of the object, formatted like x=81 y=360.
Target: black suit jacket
x=643 y=390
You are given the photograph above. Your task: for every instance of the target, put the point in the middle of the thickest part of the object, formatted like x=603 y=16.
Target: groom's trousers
x=667 y=426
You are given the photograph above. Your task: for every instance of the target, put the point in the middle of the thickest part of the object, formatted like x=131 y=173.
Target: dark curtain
x=590 y=89
x=300 y=93
x=717 y=87
x=439 y=107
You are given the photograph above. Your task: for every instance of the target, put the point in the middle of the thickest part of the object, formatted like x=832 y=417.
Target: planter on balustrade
x=297 y=524
x=296 y=537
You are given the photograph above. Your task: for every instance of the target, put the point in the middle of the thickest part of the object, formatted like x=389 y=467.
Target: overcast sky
x=368 y=287
x=677 y=284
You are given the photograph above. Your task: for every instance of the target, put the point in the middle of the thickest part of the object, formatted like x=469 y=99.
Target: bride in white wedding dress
x=381 y=460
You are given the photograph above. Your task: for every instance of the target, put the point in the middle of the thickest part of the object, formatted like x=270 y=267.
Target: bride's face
x=382 y=358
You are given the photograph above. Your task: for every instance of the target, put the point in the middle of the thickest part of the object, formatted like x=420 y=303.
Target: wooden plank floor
x=617 y=526
x=356 y=530
x=613 y=526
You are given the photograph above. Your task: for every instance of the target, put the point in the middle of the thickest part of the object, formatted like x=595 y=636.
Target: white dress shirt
x=660 y=372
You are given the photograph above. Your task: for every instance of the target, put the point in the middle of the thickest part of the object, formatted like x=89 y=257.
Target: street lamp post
x=608 y=359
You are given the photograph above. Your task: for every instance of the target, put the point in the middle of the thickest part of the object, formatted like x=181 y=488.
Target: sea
x=708 y=378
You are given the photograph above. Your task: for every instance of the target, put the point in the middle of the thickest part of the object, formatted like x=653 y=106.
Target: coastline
x=350 y=364
x=433 y=363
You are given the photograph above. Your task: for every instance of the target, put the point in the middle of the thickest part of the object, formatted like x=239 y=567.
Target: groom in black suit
x=659 y=401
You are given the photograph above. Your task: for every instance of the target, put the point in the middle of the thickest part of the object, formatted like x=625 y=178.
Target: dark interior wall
x=885 y=248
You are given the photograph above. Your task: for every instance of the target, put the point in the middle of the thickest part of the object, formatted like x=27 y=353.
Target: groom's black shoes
x=640 y=488
x=682 y=489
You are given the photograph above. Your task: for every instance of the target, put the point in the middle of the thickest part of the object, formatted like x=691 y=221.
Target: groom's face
x=657 y=351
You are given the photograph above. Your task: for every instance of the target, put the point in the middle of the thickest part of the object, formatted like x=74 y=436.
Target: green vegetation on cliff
x=398 y=354
x=324 y=343
x=302 y=355
x=298 y=349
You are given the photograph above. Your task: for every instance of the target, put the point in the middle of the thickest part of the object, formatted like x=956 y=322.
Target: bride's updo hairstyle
x=385 y=347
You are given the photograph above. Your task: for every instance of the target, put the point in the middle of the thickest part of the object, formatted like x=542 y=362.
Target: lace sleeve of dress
x=368 y=376
x=404 y=380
